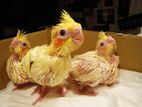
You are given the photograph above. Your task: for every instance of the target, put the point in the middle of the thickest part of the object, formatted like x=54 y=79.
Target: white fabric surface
x=126 y=93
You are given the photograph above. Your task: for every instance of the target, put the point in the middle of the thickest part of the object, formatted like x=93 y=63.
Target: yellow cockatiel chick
x=96 y=67
x=19 y=47
x=50 y=67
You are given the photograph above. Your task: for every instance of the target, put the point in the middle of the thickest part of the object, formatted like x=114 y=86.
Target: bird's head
x=106 y=45
x=20 y=45
x=67 y=35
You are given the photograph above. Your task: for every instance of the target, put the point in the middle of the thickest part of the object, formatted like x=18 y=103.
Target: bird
x=50 y=66
x=14 y=68
x=96 y=67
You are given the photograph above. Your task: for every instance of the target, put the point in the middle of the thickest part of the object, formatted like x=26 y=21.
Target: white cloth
x=126 y=93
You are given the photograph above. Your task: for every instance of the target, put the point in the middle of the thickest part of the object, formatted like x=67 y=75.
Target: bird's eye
x=102 y=44
x=62 y=32
x=24 y=44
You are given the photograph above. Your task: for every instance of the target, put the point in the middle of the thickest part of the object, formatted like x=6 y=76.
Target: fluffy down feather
x=89 y=69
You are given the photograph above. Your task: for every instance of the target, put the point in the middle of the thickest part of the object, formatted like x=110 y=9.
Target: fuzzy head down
x=106 y=45
x=20 y=45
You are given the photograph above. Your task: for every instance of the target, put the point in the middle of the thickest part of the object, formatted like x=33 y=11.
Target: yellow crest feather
x=20 y=34
x=102 y=35
x=21 y=37
x=65 y=17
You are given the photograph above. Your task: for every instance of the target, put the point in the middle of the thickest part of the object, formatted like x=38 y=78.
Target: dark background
x=106 y=15
x=27 y=15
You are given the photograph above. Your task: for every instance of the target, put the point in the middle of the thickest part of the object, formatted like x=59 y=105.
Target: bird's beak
x=77 y=36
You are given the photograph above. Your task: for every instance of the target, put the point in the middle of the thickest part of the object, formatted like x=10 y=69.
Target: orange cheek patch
x=58 y=42
x=24 y=50
x=102 y=51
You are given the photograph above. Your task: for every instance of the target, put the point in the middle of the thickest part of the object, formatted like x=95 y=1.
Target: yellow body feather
x=44 y=69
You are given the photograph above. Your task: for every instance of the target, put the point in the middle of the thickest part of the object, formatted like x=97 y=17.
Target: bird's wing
x=31 y=56
x=16 y=72
x=90 y=67
x=49 y=70
x=46 y=69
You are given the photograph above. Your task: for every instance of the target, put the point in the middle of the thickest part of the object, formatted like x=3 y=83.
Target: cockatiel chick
x=50 y=67
x=19 y=47
x=96 y=67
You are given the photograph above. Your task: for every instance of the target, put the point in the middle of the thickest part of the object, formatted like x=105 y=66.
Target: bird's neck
x=106 y=55
x=16 y=57
x=57 y=51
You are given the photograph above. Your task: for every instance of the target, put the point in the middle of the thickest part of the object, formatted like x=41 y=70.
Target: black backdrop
x=29 y=15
